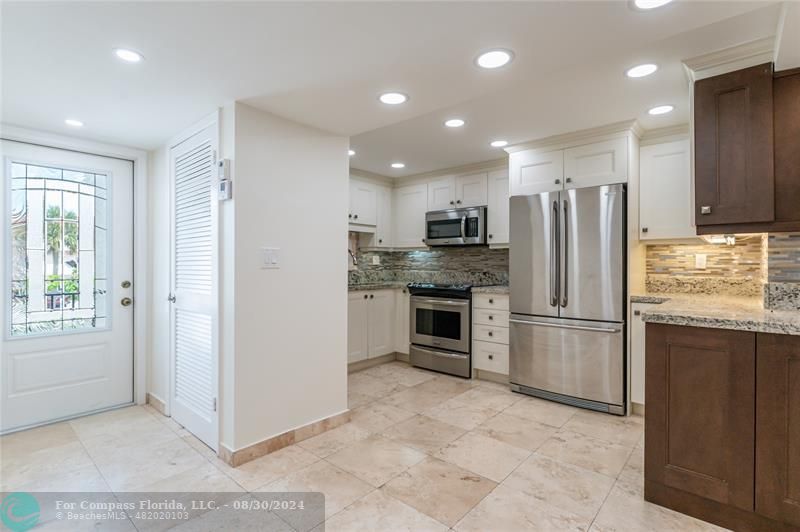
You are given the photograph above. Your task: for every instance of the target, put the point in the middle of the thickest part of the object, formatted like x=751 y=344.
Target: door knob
x=126 y=302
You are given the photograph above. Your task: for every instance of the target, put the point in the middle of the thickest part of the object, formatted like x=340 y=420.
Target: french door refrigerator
x=567 y=285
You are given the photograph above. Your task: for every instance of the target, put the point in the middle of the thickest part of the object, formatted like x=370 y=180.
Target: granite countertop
x=718 y=312
x=383 y=285
x=491 y=289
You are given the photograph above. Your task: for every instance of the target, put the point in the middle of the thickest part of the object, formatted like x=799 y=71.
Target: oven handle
x=442 y=302
x=459 y=356
x=560 y=326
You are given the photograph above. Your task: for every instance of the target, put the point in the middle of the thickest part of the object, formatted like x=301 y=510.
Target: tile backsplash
x=783 y=256
x=730 y=270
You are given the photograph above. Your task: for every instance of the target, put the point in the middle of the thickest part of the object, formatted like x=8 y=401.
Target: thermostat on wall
x=224 y=191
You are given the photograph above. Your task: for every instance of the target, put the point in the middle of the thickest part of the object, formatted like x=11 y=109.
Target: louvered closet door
x=194 y=286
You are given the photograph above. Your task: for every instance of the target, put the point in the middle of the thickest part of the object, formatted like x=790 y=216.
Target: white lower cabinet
x=370 y=324
x=637 y=351
x=490 y=333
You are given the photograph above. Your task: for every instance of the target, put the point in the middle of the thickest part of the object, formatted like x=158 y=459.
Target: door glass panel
x=439 y=323
x=59 y=256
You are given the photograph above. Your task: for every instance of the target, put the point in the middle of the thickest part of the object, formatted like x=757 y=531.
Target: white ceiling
x=324 y=64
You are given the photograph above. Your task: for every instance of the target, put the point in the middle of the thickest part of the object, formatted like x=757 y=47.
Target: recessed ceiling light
x=454 y=122
x=393 y=98
x=498 y=143
x=650 y=4
x=398 y=165
x=494 y=58
x=661 y=109
x=127 y=55
x=351 y=152
x=74 y=123
x=640 y=71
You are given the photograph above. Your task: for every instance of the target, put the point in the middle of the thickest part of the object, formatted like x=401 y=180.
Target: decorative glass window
x=59 y=251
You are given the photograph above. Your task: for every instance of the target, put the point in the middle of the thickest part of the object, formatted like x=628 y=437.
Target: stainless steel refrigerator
x=567 y=284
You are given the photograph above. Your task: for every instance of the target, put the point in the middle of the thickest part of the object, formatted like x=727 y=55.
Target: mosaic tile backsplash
x=476 y=265
x=783 y=256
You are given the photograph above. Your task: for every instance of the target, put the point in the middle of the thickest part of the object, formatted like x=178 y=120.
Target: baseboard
x=157 y=404
x=402 y=357
x=637 y=409
x=290 y=437
x=491 y=376
x=370 y=362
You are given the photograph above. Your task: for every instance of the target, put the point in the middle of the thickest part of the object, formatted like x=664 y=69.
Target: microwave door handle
x=464 y=226
x=564 y=287
x=554 y=255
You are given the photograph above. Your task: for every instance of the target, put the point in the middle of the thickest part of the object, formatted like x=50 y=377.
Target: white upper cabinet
x=665 y=191
x=363 y=203
x=599 y=163
x=497 y=211
x=383 y=230
x=533 y=172
x=410 y=206
x=442 y=194
x=471 y=190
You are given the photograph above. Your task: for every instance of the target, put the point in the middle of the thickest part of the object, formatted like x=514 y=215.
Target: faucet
x=352 y=256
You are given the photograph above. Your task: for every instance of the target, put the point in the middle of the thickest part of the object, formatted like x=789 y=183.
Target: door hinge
x=215 y=404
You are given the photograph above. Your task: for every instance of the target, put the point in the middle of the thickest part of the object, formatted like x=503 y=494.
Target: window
x=59 y=249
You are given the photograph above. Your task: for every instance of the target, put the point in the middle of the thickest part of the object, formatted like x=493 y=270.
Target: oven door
x=440 y=322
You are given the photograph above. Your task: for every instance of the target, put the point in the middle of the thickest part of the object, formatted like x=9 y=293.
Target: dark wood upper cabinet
x=733 y=127
x=778 y=428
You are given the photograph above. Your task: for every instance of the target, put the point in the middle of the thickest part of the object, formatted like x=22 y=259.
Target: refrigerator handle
x=563 y=276
x=554 y=255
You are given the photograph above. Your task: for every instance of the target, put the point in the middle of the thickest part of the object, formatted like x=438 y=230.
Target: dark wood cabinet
x=778 y=428
x=722 y=428
x=747 y=167
x=734 y=175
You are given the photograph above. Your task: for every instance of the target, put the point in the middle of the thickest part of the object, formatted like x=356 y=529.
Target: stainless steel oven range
x=440 y=328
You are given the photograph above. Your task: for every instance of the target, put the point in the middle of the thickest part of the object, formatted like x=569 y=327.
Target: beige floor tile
x=400 y=373
x=464 y=415
x=37 y=467
x=628 y=512
x=615 y=429
x=423 y=433
x=439 y=489
x=269 y=468
x=334 y=440
x=487 y=396
x=230 y=519
x=367 y=384
x=355 y=399
x=509 y=510
x=376 y=460
x=376 y=417
x=483 y=455
x=83 y=479
x=632 y=476
x=118 y=424
x=586 y=452
x=516 y=431
x=340 y=488
x=541 y=411
x=415 y=400
x=443 y=385
x=560 y=485
x=29 y=441
x=378 y=511
x=205 y=451
x=204 y=477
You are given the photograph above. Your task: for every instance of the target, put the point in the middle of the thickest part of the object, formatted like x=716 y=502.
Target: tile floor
x=423 y=452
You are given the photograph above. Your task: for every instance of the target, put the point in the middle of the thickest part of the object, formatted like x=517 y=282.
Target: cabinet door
x=381 y=322
x=357 y=324
x=700 y=422
x=401 y=332
x=410 y=206
x=471 y=190
x=363 y=203
x=383 y=230
x=441 y=194
x=778 y=428
x=532 y=172
x=637 y=352
x=733 y=159
x=665 y=191
x=600 y=163
x=497 y=211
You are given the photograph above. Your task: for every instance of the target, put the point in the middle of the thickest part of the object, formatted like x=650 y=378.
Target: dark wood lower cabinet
x=713 y=445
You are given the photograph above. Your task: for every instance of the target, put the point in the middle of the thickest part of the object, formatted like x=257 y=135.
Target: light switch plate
x=700 y=261
x=270 y=258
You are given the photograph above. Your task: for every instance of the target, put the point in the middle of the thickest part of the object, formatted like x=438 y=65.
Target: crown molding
x=372 y=176
x=493 y=164
x=664 y=134
x=578 y=137
x=743 y=55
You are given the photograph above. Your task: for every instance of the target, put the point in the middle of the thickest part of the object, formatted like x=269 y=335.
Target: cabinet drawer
x=490 y=333
x=498 y=318
x=491 y=301
x=490 y=357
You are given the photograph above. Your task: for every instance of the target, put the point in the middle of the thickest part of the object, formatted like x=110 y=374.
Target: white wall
x=291 y=191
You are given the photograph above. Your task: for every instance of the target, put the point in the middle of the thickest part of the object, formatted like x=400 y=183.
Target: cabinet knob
x=637 y=312
x=423 y=240
x=569 y=180
x=365 y=296
x=355 y=217
x=705 y=209
x=349 y=215
x=451 y=202
x=557 y=181
x=458 y=201
x=490 y=235
x=644 y=229
x=380 y=241
x=491 y=333
x=491 y=318
x=491 y=357
x=372 y=296
x=404 y=290
x=491 y=301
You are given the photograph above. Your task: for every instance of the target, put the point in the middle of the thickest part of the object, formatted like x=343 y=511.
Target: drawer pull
x=491 y=333
x=491 y=357
x=491 y=318
x=491 y=301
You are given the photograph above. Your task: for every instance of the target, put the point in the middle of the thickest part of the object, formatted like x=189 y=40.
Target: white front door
x=67 y=314
x=194 y=295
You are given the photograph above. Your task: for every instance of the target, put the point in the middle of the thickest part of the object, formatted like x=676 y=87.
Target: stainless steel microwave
x=456 y=227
